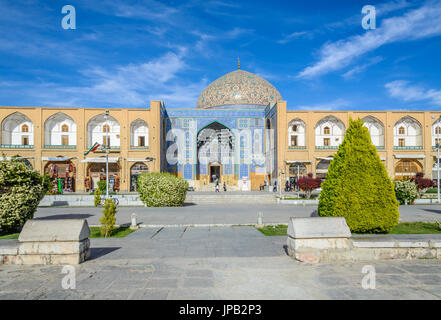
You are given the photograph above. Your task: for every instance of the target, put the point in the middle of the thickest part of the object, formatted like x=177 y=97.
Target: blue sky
x=124 y=53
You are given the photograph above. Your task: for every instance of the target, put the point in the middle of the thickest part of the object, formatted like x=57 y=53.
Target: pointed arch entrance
x=215 y=154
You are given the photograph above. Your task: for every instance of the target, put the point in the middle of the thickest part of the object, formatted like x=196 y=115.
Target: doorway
x=215 y=173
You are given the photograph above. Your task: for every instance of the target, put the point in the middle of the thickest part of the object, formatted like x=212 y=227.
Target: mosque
x=240 y=134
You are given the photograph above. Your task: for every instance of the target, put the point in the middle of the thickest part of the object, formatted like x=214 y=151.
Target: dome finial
x=238 y=63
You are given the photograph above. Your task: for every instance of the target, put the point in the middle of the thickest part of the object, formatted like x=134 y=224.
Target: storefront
x=96 y=171
x=135 y=171
x=62 y=172
x=407 y=168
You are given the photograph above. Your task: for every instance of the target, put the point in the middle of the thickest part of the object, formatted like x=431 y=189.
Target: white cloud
x=415 y=24
x=359 y=69
x=292 y=36
x=402 y=90
x=131 y=85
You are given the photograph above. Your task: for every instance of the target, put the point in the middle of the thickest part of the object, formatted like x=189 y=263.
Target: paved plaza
x=210 y=214
x=215 y=263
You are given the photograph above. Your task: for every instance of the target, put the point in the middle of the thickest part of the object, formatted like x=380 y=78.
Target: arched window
x=139 y=134
x=376 y=130
x=103 y=130
x=60 y=130
x=408 y=134
x=17 y=129
x=329 y=133
x=296 y=134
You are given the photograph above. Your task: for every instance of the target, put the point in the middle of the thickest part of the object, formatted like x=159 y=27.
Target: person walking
x=225 y=187
x=217 y=186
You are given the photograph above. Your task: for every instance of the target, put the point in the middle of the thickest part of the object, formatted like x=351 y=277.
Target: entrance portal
x=215 y=173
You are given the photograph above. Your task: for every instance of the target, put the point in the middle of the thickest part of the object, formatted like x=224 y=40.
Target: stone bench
x=308 y=238
x=46 y=242
x=319 y=239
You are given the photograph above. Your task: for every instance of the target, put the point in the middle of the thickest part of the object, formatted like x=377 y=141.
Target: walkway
x=215 y=263
x=230 y=214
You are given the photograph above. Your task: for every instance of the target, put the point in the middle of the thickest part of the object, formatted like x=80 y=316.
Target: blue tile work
x=191 y=121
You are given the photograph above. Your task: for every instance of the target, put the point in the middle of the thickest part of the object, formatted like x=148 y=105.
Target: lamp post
x=437 y=145
x=437 y=161
x=298 y=176
x=107 y=146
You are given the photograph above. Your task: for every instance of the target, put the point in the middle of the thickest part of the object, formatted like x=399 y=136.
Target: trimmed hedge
x=357 y=185
x=21 y=190
x=161 y=189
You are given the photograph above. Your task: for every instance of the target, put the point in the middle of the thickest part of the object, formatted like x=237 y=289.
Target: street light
x=107 y=146
x=437 y=130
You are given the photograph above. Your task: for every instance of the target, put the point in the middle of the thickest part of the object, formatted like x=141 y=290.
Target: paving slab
x=216 y=263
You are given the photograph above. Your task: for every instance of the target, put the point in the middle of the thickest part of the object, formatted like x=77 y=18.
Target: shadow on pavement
x=434 y=211
x=96 y=253
x=66 y=216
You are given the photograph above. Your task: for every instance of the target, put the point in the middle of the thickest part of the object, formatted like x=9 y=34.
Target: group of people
x=216 y=181
x=291 y=185
x=265 y=184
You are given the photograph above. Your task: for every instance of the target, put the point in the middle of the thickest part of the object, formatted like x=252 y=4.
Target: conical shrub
x=358 y=187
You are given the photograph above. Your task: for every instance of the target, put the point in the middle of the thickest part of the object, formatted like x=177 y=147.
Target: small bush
x=309 y=184
x=162 y=189
x=97 y=199
x=406 y=190
x=423 y=184
x=102 y=186
x=108 y=219
x=21 y=190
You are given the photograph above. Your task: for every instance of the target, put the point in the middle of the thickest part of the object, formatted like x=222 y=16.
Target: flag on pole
x=92 y=149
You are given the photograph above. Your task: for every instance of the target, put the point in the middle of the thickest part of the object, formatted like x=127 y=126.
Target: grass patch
x=416 y=228
x=401 y=228
x=279 y=230
x=121 y=232
x=10 y=236
x=95 y=232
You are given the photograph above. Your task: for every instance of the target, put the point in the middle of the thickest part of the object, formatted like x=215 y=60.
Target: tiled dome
x=238 y=88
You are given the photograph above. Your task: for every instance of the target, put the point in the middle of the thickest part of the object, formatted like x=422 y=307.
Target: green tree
x=97 y=198
x=21 y=190
x=357 y=185
x=108 y=219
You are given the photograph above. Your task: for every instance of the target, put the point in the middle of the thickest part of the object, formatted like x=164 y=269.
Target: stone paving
x=215 y=263
x=219 y=213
